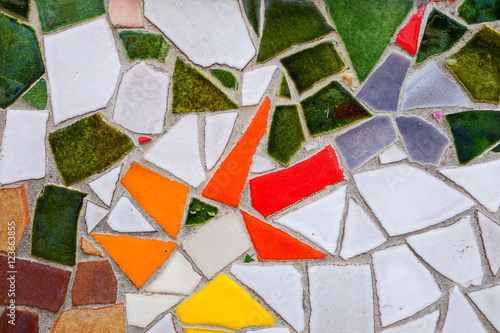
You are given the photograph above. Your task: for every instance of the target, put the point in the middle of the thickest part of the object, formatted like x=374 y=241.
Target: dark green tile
x=440 y=34
x=286 y=135
x=314 y=64
x=200 y=212
x=226 y=78
x=290 y=22
x=366 y=28
x=331 y=108
x=248 y=258
x=496 y=149
x=17 y=7
x=89 y=146
x=192 y=91
x=252 y=9
x=55 y=224
x=283 y=90
x=37 y=96
x=477 y=66
x=55 y=14
x=21 y=62
x=143 y=45
x=477 y=11
x=474 y=132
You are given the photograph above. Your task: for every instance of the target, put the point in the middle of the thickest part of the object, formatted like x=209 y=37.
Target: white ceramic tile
x=178 y=277
x=479 y=180
x=142 y=309
x=490 y=232
x=452 y=251
x=261 y=164
x=426 y=324
x=93 y=215
x=488 y=302
x=141 y=102
x=341 y=299
x=407 y=199
x=82 y=67
x=124 y=217
x=22 y=154
x=360 y=232
x=164 y=325
x=178 y=152
x=105 y=185
x=218 y=129
x=391 y=155
x=320 y=220
x=280 y=286
x=255 y=83
x=460 y=317
x=208 y=32
x=404 y=285
x=217 y=244
x=311 y=146
x=271 y=330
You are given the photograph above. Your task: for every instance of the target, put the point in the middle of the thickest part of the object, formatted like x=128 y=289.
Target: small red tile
x=143 y=139
x=408 y=35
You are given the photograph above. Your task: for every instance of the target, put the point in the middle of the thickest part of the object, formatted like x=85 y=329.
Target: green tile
x=37 y=96
x=143 y=45
x=248 y=258
x=474 y=132
x=21 y=62
x=200 y=212
x=55 y=224
x=496 y=149
x=283 y=90
x=286 y=135
x=192 y=91
x=314 y=64
x=477 y=11
x=440 y=34
x=331 y=108
x=55 y=14
x=252 y=9
x=290 y=22
x=89 y=146
x=477 y=66
x=366 y=28
x=226 y=78
x=20 y=8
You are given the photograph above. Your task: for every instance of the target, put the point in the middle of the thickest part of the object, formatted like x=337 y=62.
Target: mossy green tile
x=290 y=22
x=193 y=92
x=200 y=212
x=283 y=90
x=252 y=9
x=440 y=34
x=55 y=224
x=474 y=132
x=20 y=8
x=56 y=14
x=143 y=45
x=477 y=11
x=477 y=66
x=286 y=135
x=226 y=78
x=331 y=108
x=366 y=28
x=312 y=65
x=248 y=258
x=88 y=146
x=21 y=62
x=37 y=96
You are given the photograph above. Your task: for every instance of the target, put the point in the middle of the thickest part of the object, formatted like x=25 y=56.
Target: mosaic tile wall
x=269 y=166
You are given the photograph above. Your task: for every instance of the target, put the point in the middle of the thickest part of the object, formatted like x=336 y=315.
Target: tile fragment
x=20 y=8
x=218 y=129
x=143 y=309
x=490 y=233
x=95 y=283
x=22 y=153
x=56 y=14
x=474 y=11
x=217 y=244
x=200 y=212
x=89 y=248
x=15 y=217
x=141 y=45
x=425 y=324
x=202 y=330
x=284 y=89
x=105 y=185
x=109 y=319
x=438 y=115
x=252 y=10
x=93 y=215
x=124 y=217
x=348 y=79
x=271 y=330
x=255 y=83
x=143 y=139
x=248 y=259
x=234 y=309
x=460 y=316
x=37 y=95
x=226 y=78
x=391 y=155
x=275 y=191
x=261 y=164
x=164 y=325
x=408 y=35
x=125 y=13
x=19 y=321
x=488 y=302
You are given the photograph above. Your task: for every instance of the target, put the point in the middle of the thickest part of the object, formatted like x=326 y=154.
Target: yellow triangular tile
x=203 y=330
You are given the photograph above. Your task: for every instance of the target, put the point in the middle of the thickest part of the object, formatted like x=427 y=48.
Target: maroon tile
x=95 y=283
x=18 y=321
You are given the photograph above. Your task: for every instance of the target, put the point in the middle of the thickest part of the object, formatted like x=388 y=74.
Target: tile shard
x=164 y=325
x=88 y=248
x=473 y=11
x=95 y=283
x=255 y=83
x=218 y=129
x=24 y=322
x=125 y=13
x=408 y=35
x=490 y=233
x=487 y=300
x=143 y=309
x=93 y=215
x=140 y=44
x=124 y=217
x=105 y=185
x=284 y=89
x=261 y=164
x=110 y=319
x=37 y=95
x=391 y=155
x=460 y=316
x=200 y=212
x=252 y=10
x=226 y=78
x=15 y=217
x=18 y=7
x=425 y=324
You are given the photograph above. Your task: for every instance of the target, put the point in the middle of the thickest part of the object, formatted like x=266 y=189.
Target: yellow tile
x=202 y=330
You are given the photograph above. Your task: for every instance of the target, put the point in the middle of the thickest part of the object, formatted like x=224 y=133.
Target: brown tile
x=15 y=216
x=89 y=248
x=18 y=321
x=95 y=283
x=109 y=319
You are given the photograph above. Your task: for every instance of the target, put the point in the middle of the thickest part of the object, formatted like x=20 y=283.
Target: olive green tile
x=226 y=78
x=192 y=91
x=440 y=34
x=21 y=62
x=55 y=224
x=143 y=45
x=477 y=66
x=252 y=9
x=290 y=22
x=88 y=146
x=366 y=28
x=37 y=96
x=312 y=65
x=20 y=8
x=248 y=258
x=477 y=11
x=286 y=135
x=283 y=90
x=331 y=108
x=200 y=212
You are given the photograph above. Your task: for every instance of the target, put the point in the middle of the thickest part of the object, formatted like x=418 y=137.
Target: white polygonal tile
x=105 y=185
x=426 y=324
x=391 y=155
x=490 y=232
x=143 y=309
x=124 y=217
x=460 y=317
x=261 y=164
x=218 y=129
x=255 y=83
x=488 y=302
x=93 y=215
x=164 y=325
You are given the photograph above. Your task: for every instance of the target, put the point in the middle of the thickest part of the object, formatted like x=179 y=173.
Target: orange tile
x=14 y=216
x=110 y=319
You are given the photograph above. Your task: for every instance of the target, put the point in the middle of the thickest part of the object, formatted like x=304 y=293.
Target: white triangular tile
x=105 y=185
x=490 y=232
x=460 y=317
x=124 y=217
x=255 y=83
x=391 y=155
x=426 y=324
x=164 y=325
x=93 y=215
x=142 y=309
x=261 y=164
x=218 y=129
x=488 y=302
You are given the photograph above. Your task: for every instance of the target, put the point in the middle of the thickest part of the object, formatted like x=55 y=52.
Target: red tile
x=18 y=321
x=143 y=139
x=95 y=283
x=408 y=35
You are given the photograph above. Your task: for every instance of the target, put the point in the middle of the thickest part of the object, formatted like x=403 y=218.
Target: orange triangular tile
x=274 y=244
x=229 y=180
x=89 y=248
x=137 y=257
x=162 y=198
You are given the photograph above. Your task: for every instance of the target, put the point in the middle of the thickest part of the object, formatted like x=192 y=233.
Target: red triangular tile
x=408 y=35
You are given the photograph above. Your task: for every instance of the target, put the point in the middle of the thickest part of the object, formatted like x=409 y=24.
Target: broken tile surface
x=438 y=115
x=143 y=309
x=124 y=217
x=490 y=233
x=89 y=248
x=56 y=14
x=19 y=7
x=93 y=215
x=474 y=11
x=95 y=283
x=284 y=89
x=261 y=164
x=15 y=217
x=125 y=13
x=200 y=212
x=140 y=44
x=488 y=302
x=460 y=316
x=105 y=185
x=164 y=325
x=408 y=35
x=348 y=79
x=255 y=83
x=19 y=321
x=106 y=319
x=252 y=10
x=226 y=78
x=391 y=155
x=218 y=129
x=426 y=324
x=37 y=95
